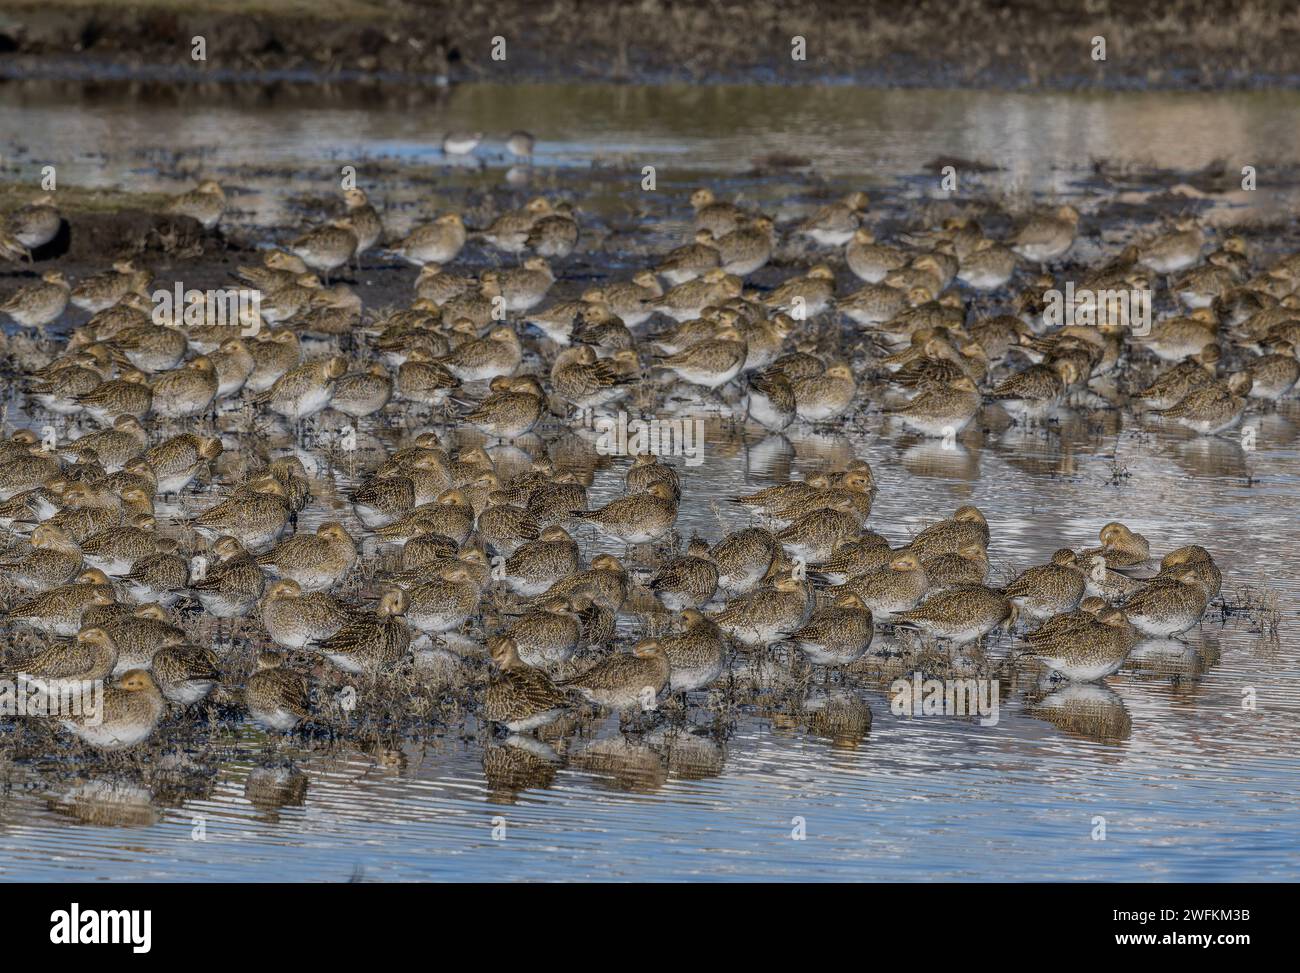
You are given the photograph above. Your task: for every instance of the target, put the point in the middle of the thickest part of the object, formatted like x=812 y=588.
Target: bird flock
x=487 y=564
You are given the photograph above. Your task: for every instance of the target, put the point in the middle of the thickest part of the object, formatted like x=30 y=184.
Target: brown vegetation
x=1018 y=43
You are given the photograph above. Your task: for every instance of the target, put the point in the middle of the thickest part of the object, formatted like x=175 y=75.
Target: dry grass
x=73 y=199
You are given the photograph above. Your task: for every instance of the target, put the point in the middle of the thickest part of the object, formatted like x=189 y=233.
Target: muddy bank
x=1017 y=44
x=1120 y=204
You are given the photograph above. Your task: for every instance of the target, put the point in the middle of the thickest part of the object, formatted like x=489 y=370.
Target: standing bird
x=438 y=242
x=1122 y=548
x=186 y=391
x=91 y=656
x=1168 y=606
x=872 y=261
x=1091 y=649
x=625 y=681
x=363 y=393
x=328 y=247
x=711 y=363
x=520 y=144
x=942 y=410
x=185 y=674
x=483 y=359
x=520 y=697
x=511 y=410
x=646 y=470
x=34 y=225
x=1172 y=252
x=276 y=697
x=836 y=634
x=54 y=559
x=1046 y=237
x=772 y=402
x=205 y=203
x=461 y=143
x=834 y=225
x=294 y=619
x=317 y=562
x=371 y=643
x=690 y=261
x=231 y=587
x=605 y=582
x=744 y=558
x=1197 y=559
x=1035 y=392
x=638 y=518
x=696 y=654
x=59 y=611
x=534 y=567
x=1050 y=589
x=256 y=514
x=688 y=581
x=961 y=615
x=966 y=526
x=39 y=305
x=551 y=631
x=130 y=712
x=821 y=398
x=766 y=614
x=305 y=390
x=988 y=266
x=555 y=235
x=897 y=587
x=363 y=220
x=1214 y=407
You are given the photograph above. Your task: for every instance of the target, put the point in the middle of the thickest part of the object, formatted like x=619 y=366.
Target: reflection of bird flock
x=133 y=405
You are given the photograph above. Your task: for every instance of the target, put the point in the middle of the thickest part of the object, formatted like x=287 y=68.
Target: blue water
x=1190 y=785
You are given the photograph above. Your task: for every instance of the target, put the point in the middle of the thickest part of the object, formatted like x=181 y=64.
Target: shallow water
x=1191 y=785
x=110 y=135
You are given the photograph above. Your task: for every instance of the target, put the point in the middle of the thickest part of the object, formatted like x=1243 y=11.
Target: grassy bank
x=1020 y=43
